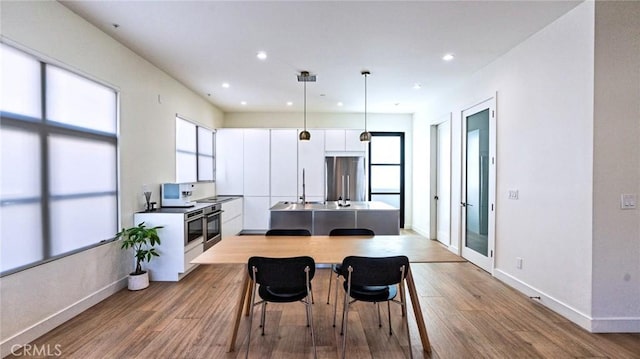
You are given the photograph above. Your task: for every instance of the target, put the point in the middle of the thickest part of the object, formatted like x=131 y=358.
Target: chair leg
x=345 y=325
x=389 y=312
x=310 y=323
x=335 y=303
x=253 y=297
x=264 y=313
x=403 y=303
x=379 y=318
x=330 y=280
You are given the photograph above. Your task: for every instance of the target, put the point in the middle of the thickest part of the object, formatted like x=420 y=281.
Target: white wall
x=375 y=122
x=616 y=232
x=544 y=149
x=38 y=299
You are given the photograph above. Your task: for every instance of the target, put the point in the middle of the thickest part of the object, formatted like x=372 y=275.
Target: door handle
x=435 y=197
x=463 y=204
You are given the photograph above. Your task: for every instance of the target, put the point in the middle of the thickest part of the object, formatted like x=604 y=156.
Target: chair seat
x=282 y=295
x=378 y=293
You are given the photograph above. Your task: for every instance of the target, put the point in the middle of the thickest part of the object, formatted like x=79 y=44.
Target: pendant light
x=305 y=77
x=366 y=135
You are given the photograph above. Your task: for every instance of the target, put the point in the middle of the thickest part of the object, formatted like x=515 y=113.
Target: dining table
x=326 y=249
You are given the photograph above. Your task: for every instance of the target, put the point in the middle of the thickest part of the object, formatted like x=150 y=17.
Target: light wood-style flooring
x=468 y=314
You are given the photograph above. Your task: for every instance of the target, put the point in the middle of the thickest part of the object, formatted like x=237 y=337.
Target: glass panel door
x=386 y=169
x=478 y=184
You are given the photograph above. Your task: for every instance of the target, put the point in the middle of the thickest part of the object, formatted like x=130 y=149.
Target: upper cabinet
x=284 y=163
x=343 y=140
x=230 y=162
x=256 y=162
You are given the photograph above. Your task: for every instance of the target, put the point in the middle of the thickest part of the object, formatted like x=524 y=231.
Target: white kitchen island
x=321 y=218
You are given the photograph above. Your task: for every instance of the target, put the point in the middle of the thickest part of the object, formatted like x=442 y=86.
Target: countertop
x=332 y=206
x=198 y=204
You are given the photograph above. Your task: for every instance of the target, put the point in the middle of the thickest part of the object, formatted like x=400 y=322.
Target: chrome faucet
x=304 y=195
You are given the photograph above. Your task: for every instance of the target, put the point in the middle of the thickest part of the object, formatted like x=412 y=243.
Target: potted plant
x=142 y=239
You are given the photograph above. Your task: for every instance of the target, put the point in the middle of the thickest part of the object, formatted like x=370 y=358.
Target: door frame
x=435 y=203
x=486 y=263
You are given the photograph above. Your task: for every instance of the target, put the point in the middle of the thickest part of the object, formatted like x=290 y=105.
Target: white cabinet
x=232 y=217
x=311 y=160
x=352 y=141
x=229 y=161
x=256 y=213
x=344 y=140
x=256 y=162
x=334 y=140
x=175 y=258
x=284 y=163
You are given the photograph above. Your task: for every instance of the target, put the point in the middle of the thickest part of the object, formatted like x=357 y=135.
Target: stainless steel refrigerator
x=346 y=178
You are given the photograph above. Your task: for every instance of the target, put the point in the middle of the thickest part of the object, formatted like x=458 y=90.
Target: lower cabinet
x=232 y=217
x=175 y=258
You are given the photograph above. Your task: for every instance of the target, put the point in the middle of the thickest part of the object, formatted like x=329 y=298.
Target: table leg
x=247 y=298
x=236 y=323
x=422 y=329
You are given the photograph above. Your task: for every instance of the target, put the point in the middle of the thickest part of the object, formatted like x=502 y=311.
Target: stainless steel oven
x=194 y=225
x=212 y=225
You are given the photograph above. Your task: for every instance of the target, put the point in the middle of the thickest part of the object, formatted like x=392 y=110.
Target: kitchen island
x=320 y=218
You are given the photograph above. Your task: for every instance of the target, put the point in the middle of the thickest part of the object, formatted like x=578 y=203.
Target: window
x=386 y=169
x=195 y=157
x=59 y=143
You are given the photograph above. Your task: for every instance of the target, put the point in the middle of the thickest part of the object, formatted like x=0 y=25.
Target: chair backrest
x=352 y=232
x=288 y=232
x=282 y=272
x=372 y=271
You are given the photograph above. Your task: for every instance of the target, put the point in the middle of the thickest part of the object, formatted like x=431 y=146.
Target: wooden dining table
x=326 y=249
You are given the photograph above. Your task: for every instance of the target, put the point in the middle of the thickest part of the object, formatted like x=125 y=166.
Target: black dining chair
x=336 y=268
x=288 y=232
x=281 y=280
x=374 y=280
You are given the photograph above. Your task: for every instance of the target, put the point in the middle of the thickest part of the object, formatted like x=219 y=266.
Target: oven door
x=194 y=229
x=213 y=232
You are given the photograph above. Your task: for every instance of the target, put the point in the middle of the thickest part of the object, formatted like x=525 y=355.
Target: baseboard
x=615 y=325
x=421 y=231
x=548 y=301
x=47 y=324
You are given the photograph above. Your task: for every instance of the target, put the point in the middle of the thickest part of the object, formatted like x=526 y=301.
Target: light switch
x=513 y=194
x=628 y=201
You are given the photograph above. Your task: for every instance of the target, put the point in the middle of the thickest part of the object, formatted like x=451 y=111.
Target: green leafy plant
x=142 y=239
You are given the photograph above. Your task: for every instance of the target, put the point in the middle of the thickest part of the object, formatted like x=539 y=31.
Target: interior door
x=478 y=184
x=443 y=183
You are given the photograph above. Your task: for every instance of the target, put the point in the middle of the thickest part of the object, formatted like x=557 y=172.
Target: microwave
x=176 y=195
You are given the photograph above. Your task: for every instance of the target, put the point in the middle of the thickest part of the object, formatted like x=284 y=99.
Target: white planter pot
x=138 y=282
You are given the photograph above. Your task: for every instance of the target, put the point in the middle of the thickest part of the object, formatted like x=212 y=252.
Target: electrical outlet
x=628 y=201
x=518 y=262
x=513 y=194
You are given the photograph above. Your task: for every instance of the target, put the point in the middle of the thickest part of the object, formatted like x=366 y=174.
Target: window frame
x=43 y=128
x=197 y=152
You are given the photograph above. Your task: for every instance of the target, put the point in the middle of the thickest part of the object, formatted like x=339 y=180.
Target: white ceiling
x=206 y=43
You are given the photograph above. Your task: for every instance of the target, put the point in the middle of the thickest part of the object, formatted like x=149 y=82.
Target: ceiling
x=204 y=44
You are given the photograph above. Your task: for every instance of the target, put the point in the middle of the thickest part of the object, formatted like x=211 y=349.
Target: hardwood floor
x=468 y=314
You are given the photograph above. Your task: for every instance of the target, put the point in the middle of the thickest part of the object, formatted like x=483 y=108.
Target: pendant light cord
x=305 y=105
x=365 y=102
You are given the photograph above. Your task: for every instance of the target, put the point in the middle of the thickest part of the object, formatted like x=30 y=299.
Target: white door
x=478 y=184
x=443 y=183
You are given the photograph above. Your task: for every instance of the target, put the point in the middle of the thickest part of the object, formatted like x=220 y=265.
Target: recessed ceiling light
x=243 y=103
x=417 y=86
x=261 y=55
x=340 y=104
x=447 y=57
x=289 y=103
x=226 y=85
